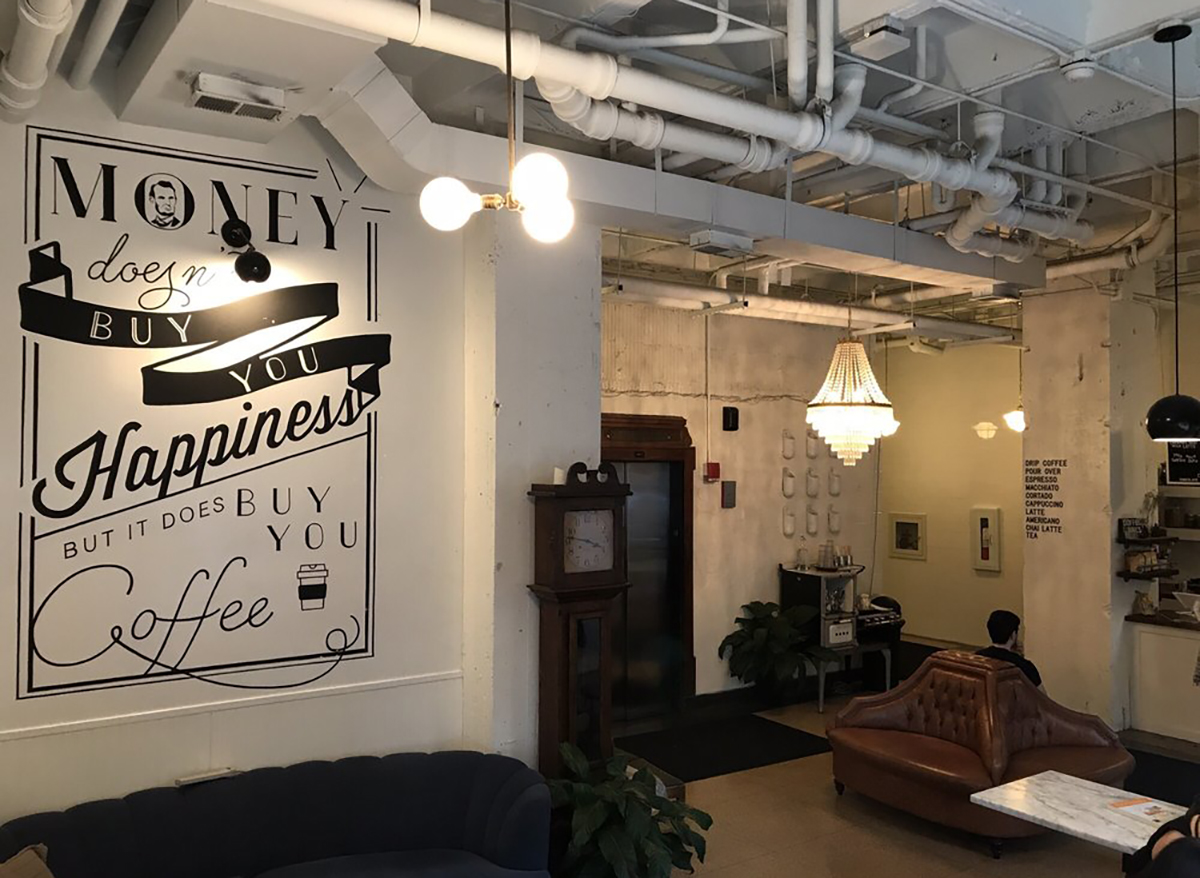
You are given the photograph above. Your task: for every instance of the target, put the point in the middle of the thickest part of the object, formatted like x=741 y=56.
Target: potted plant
x=620 y=826
x=771 y=645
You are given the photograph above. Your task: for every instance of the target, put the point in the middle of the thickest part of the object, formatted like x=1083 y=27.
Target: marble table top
x=1080 y=808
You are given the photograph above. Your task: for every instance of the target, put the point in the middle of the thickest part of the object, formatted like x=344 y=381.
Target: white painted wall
x=494 y=380
x=538 y=386
x=936 y=465
x=653 y=363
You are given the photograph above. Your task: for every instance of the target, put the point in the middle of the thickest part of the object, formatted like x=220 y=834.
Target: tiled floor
x=786 y=820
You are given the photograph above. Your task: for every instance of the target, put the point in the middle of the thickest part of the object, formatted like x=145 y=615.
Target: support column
x=1090 y=376
x=533 y=403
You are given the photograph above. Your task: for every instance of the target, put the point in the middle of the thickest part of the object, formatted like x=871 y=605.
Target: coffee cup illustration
x=314 y=585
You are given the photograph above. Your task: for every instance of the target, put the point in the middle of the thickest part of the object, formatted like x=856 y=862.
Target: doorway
x=654 y=663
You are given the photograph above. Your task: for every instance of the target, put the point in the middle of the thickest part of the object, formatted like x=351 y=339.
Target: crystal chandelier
x=851 y=411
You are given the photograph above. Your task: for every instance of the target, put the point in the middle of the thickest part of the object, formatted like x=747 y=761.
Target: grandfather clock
x=580 y=569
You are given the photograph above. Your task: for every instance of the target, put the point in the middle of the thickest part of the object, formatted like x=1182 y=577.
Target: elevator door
x=648 y=639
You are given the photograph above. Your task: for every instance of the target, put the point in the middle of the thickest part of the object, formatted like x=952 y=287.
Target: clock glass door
x=647 y=637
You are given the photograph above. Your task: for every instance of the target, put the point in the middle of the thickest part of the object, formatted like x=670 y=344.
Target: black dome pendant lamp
x=1174 y=418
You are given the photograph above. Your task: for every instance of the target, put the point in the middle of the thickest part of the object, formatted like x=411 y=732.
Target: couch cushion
x=408 y=864
x=1106 y=765
x=920 y=757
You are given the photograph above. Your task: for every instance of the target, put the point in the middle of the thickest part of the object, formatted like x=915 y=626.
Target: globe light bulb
x=549 y=221
x=538 y=178
x=985 y=430
x=1015 y=420
x=447 y=204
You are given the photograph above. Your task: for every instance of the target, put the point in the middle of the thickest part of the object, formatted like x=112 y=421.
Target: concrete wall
x=1090 y=375
x=938 y=466
x=653 y=363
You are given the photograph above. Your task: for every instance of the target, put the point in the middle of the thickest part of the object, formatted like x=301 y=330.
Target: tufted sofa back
x=985 y=705
x=1029 y=719
x=237 y=827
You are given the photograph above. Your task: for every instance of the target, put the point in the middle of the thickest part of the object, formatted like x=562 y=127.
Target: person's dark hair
x=167 y=183
x=1179 y=859
x=1003 y=624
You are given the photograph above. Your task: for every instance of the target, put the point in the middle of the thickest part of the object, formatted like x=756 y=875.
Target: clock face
x=588 y=546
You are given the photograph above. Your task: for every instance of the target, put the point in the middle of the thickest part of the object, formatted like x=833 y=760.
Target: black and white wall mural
x=198 y=485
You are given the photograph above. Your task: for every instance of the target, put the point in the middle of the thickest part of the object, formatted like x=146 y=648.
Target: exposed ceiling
x=981 y=53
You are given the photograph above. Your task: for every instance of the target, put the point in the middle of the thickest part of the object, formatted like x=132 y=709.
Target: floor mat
x=694 y=752
x=1161 y=777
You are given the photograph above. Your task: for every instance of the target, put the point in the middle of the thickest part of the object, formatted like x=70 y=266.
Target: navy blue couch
x=449 y=815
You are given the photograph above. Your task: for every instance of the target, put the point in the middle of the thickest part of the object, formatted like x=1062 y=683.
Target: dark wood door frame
x=660 y=438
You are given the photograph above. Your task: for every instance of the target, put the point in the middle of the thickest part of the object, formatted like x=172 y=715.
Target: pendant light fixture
x=851 y=411
x=1015 y=420
x=1174 y=418
x=537 y=185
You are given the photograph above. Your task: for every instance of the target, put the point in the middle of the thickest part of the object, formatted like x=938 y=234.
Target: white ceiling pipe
x=965 y=235
x=1039 y=159
x=621 y=44
x=1070 y=184
x=721 y=276
x=1015 y=249
x=95 y=41
x=915 y=296
x=1054 y=192
x=24 y=70
x=602 y=120
x=600 y=76
x=664 y=58
x=64 y=38
x=915 y=88
x=825 y=38
x=806 y=311
x=680 y=160
x=1131 y=258
x=797 y=52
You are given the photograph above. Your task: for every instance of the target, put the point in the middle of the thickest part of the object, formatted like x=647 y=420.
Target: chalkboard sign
x=1183 y=463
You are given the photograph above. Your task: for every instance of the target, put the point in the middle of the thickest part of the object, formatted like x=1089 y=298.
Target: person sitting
x=1004 y=627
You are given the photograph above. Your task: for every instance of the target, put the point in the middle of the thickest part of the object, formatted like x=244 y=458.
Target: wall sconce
x=985 y=430
x=251 y=265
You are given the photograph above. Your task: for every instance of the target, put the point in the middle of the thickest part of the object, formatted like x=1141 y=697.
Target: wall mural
x=199 y=456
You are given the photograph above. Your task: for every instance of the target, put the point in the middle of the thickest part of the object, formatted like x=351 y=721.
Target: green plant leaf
x=574 y=760
x=586 y=820
x=618 y=851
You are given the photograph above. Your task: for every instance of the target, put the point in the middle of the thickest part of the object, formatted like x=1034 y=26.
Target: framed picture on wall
x=906 y=535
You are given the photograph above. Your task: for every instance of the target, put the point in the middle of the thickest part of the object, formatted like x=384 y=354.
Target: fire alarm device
x=712 y=471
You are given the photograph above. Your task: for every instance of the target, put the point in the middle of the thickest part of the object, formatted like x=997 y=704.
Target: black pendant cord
x=512 y=108
x=1175 y=201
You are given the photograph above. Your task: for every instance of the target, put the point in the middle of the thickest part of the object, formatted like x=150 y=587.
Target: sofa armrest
x=510 y=823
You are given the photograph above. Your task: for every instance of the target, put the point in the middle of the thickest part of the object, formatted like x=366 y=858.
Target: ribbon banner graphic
x=49 y=308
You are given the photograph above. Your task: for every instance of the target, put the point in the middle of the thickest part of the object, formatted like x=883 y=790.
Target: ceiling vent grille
x=235 y=97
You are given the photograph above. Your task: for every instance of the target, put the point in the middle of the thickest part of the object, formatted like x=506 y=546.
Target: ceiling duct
x=258 y=63
x=724 y=244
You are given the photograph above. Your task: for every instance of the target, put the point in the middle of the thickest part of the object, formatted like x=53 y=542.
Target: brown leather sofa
x=961 y=724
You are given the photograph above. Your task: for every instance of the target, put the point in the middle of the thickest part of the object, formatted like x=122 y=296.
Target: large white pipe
x=621 y=44
x=915 y=296
x=922 y=69
x=797 y=52
x=1039 y=158
x=1054 y=192
x=1131 y=258
x=99 y=33
x=689 y=296
x=24 y=70
x=721 y=275
x=600 y=77
x=825 y=38
x=602 y=120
